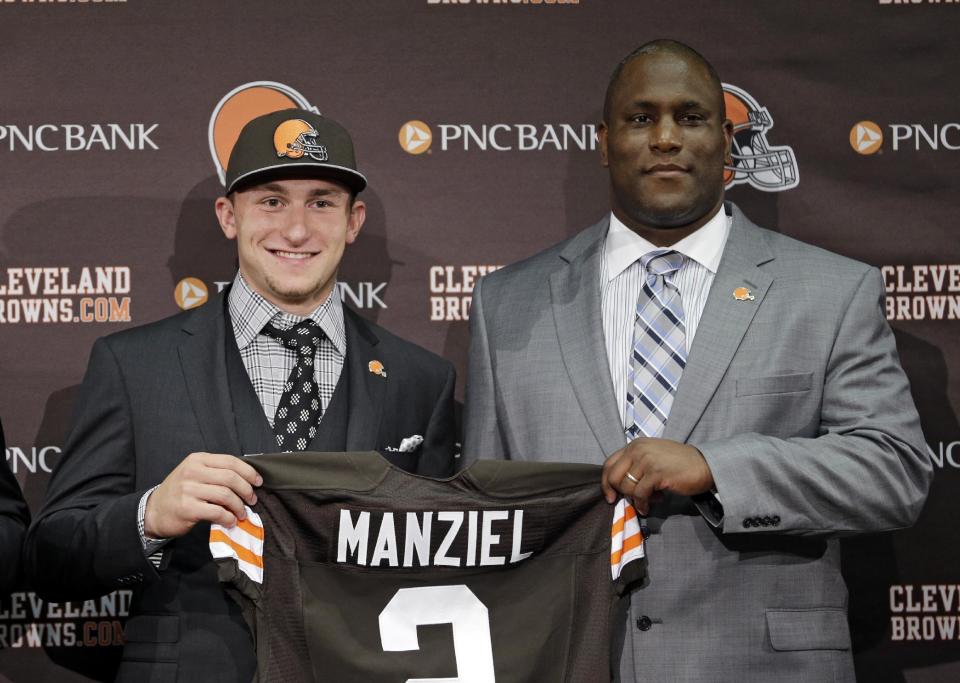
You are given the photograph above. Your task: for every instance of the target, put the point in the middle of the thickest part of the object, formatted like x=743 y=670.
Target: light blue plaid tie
x=659 y=346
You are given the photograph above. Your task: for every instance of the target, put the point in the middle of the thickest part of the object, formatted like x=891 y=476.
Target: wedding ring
x=632 y=478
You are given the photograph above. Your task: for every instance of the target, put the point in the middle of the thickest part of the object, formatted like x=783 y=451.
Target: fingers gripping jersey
x=351 y=570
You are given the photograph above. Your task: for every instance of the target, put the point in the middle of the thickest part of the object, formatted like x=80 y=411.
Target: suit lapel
x=367 y=390
x=575 y=298
x=203 y=362
x=724 y=322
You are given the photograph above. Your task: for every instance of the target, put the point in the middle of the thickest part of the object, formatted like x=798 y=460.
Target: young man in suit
x=742 y=387
x=14 y=518
x=275 y=363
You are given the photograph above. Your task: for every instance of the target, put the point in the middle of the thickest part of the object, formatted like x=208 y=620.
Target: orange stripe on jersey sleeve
x=626 y=538
x=251 y=528
x=632 y=542
x=619 y=524
x=243 y=553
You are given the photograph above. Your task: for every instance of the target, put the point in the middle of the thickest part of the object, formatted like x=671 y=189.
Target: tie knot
x=305 y=336
x=662 y=261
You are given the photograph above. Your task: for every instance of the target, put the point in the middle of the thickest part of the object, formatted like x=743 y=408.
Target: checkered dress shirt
x=269 y=363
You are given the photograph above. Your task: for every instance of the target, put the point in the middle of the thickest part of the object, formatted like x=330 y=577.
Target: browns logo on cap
x=295 y=137
x=293 y=143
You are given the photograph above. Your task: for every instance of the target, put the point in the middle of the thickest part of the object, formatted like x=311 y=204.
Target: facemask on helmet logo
x=296 y=138
x=755 y=161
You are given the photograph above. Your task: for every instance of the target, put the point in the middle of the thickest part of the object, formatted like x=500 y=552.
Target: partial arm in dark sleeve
x=438 y=450
x=14 y=518
x=85 y=541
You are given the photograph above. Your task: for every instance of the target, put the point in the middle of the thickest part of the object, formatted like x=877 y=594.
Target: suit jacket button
x=644 y=623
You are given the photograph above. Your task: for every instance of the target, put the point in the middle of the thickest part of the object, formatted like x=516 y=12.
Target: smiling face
x=664 y=143
x=291 y=235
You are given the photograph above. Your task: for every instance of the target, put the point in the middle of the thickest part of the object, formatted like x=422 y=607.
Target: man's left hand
x=657 y=465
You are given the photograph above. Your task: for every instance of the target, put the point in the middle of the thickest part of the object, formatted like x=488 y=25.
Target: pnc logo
x=415 y=137
x=190 y=293
x=866 y=137
x=239 y=106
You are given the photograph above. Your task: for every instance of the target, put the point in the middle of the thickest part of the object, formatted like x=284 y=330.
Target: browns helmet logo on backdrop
x=294 y=139
x=755 y=161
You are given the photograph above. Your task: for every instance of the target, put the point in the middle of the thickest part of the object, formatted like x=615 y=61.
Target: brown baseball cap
x=293 y=143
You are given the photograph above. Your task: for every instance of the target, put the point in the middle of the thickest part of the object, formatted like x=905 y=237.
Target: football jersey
x=349 y=569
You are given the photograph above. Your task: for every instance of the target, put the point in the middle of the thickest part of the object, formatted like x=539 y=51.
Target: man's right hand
x=205 y=487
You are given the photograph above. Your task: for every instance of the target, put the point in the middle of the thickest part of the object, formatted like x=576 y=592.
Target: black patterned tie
x=298 y=413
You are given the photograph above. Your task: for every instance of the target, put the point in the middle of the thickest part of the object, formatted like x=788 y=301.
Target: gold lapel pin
x=742 y=294
x=376 y=367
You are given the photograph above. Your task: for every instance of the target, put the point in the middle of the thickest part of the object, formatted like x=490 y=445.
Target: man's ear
x=728 y=138
x=358 y=214
x=227 y=217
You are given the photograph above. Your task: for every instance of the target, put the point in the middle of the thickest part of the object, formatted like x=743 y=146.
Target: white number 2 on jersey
x=454 y=605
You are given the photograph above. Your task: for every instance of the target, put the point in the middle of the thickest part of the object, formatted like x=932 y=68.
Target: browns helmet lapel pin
x=376 y=367
x=742 y=294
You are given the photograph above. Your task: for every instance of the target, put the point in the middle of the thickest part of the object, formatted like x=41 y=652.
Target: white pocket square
x=408 y=445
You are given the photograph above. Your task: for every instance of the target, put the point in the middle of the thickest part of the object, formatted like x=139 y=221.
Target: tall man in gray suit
x=276 y=363
x=742 y=387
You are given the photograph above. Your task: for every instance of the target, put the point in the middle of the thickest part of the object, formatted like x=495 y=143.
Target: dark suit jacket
x=14 y=518
x=151 y=396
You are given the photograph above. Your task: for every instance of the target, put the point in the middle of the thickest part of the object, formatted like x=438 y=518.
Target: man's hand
x=209 y=487
x=657 y=465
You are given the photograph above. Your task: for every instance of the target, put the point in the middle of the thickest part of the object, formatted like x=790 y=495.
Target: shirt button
x=644 y=623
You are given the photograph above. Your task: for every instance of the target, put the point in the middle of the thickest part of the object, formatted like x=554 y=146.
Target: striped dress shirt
x=621 y=279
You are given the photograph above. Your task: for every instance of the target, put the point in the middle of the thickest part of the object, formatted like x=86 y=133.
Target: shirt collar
x=623 y=246
x=250 y=312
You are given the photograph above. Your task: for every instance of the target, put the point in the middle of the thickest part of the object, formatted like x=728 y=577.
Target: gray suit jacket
x=798 y=403
x=154 y=394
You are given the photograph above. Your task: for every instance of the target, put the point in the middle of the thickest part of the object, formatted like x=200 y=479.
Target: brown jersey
x=352 y=570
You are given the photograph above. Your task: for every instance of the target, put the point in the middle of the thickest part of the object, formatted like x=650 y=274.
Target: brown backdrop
x=105 y=162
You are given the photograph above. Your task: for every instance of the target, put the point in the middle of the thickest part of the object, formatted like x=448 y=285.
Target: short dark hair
x=654 y=47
